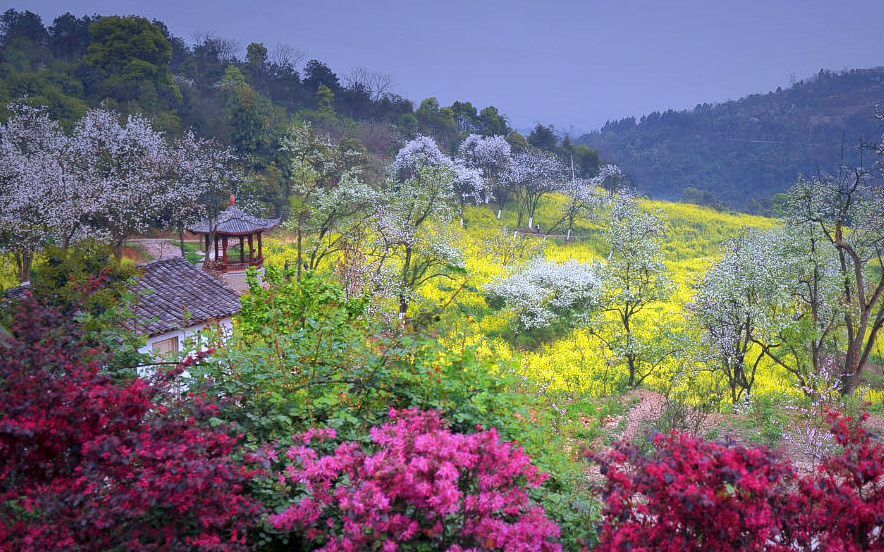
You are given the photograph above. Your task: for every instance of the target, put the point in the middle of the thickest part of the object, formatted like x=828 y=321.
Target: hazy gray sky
x=573 y=64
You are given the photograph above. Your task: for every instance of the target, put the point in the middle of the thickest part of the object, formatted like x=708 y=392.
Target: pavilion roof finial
x=232 y=199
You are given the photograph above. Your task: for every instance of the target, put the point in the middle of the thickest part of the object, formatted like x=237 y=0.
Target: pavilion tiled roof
x=233 y=221
x=174 y=294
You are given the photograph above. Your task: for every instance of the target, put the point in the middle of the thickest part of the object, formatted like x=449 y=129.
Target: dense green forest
x=740 y=153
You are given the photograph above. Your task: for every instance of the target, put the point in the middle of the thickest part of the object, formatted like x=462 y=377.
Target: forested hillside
x=740 y=153
x=244 y=96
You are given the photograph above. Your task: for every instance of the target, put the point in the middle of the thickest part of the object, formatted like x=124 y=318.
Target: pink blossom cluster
x=418 y=484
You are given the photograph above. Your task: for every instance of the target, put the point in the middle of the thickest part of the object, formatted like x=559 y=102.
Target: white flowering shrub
x=544 y=293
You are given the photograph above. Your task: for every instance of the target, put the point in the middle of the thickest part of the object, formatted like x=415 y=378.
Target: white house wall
x=225 y=324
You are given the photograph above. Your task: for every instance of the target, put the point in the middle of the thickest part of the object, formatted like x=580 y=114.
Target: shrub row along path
x=649 y=406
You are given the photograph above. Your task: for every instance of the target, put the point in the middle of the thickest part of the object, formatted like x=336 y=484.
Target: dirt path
x=160 y=248
x=649 y=407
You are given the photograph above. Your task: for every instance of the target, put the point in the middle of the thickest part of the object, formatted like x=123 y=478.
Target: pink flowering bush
x=418 y=486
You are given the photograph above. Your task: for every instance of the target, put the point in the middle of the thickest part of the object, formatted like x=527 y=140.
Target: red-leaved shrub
x=693 y=495
x=88 y=464
x=845 y=501
x=419 y=486
x=690 y=494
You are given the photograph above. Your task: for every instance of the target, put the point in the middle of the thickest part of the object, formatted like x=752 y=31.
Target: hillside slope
x=742 y=152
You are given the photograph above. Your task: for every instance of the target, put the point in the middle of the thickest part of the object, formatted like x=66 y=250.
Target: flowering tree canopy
x=42 y=198
x=610 y=178
x=531 y=175
x=848 y=211
x=635 y=277
x=413 y=220
x=128 y=165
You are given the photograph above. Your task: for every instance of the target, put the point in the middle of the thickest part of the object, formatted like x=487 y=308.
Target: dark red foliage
x=88 y=464
x=693 y=495
x=846 y=499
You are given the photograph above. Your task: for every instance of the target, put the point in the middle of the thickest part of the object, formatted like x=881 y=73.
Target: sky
x=572 y=64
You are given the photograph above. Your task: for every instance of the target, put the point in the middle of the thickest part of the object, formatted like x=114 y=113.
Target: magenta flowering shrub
x=418 y=486
x=694 y=495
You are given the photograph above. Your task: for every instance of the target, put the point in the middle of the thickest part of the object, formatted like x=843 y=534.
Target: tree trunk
x=23 y=261
x=118 y=249
x=299 y=252
x=181 y=240
x=848 y=384
x=403 y=298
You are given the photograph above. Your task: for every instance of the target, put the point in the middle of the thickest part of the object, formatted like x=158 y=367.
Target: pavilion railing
x=232 y=266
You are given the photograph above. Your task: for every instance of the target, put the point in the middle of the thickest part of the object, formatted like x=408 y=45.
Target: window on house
x=165 y=346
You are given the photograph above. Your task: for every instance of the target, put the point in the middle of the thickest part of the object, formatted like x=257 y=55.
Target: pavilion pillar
x=260 y=253
x=242 y=253
x=215 y=258
x=251 y=250
x=224 y=249
x=207 y=244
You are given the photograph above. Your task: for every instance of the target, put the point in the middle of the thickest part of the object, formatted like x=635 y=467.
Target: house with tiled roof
x=177 y=301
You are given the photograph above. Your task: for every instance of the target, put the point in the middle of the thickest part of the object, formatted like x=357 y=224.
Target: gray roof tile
x=233 y=221
x=169 y=288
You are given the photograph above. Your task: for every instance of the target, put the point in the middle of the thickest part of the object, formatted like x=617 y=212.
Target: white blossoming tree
x=129 y=166
x=848 y=212
x=43 y=197
x=312 y=164
x=202 y=173
x=491 y=155
x=635 y=279
x=610 y=179
x=583 y=202
x=422 y=151
x=545 y=293
x=337 y=216
x=729 y=306
x=31 y=149
x=774 y=295
x=413 y=220
x=469 y=185
x=533 y=174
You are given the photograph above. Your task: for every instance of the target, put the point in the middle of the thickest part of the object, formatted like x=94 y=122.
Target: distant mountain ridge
x=740 y=153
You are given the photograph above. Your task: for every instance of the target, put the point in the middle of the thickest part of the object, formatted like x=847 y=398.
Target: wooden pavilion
x=233 y=224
